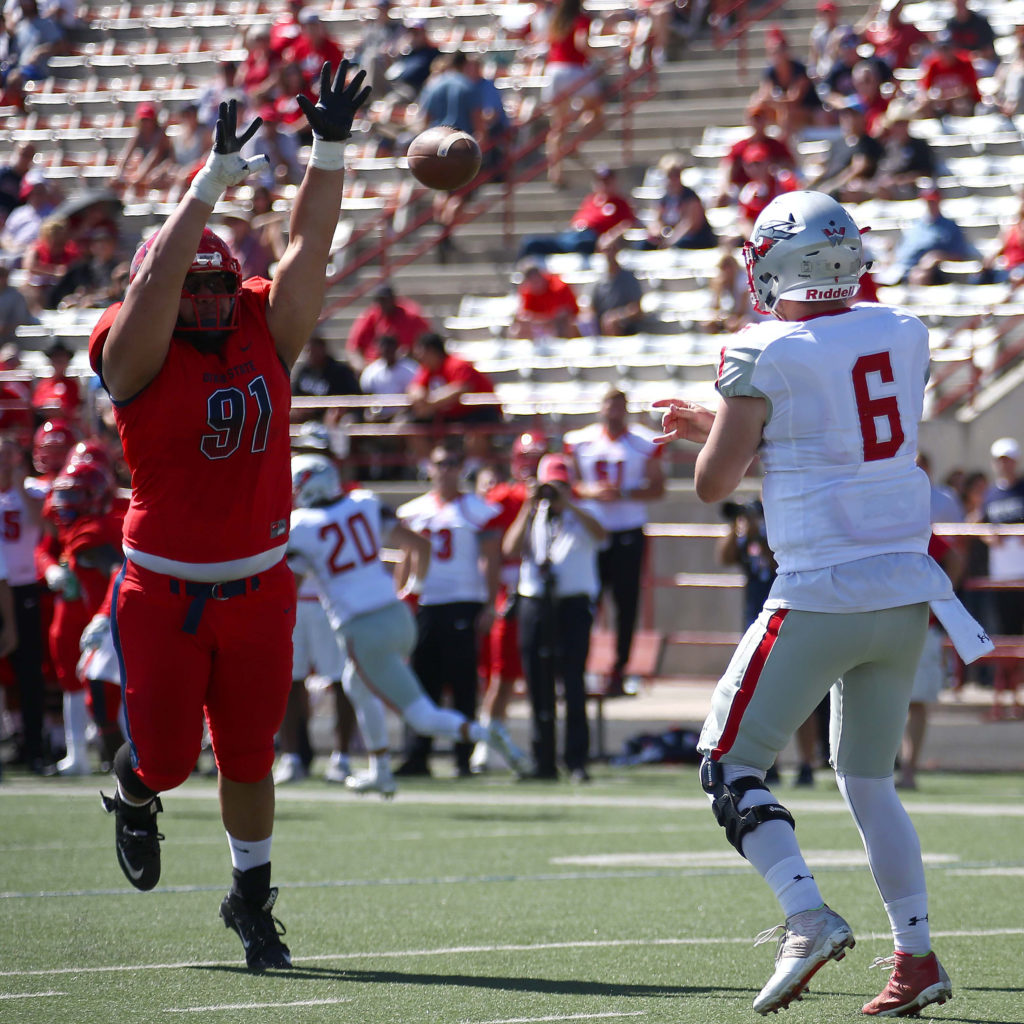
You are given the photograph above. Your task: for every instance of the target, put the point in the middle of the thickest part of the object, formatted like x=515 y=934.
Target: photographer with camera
x=557 y=542
x=746 y=546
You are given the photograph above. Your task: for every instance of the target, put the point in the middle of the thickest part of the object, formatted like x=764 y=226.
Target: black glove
x=225 y=139
x=331 y=119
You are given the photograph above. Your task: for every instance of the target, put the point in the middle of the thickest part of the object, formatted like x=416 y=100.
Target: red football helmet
x=213 y=257
x=93 y=453
x=81 y=490
x=50 y=446
x=526 y=453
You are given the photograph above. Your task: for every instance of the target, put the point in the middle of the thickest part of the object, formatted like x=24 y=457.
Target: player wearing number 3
x=196 y=362
x=829 y=394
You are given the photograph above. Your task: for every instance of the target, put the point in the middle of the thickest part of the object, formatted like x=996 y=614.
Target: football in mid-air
x=444 y=158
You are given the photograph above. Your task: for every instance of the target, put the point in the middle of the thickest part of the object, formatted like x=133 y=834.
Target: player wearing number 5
x=196 y=362
x=829 y=394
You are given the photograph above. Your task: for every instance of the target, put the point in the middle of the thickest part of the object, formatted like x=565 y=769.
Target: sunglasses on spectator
x=450 y=462
x=215 y=283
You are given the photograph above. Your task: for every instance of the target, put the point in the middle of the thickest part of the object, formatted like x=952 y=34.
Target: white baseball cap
x=1005 y=448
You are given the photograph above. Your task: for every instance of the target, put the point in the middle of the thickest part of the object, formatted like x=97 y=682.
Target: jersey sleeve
x=99 y=336
x=736 y=373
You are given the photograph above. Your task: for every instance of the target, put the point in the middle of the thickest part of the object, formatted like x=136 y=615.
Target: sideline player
x=830 y=395
x=205 y=604
x=337 y=538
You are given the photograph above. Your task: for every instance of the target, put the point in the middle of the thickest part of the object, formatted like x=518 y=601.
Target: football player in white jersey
x=618 y=469
x=337 y=538
x=829 y=394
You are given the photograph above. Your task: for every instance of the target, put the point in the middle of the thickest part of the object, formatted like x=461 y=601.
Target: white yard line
x=254 y=1006
x=29 y=995
x=538 y=947
x=571 y=1016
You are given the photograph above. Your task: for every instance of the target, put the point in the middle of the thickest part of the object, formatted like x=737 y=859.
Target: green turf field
x=484 y=900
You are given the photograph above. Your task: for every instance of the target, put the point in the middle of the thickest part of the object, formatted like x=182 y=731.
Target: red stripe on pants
x=749 y=684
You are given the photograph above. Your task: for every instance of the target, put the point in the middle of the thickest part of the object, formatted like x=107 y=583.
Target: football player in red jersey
x=50 y=446
x=77 y=561
x=205 y=605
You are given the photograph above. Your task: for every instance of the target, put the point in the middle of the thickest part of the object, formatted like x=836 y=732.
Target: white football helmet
x=315 y=481
x=804 y=246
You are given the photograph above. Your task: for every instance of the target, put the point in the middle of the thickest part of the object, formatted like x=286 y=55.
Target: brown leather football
x=444 y=158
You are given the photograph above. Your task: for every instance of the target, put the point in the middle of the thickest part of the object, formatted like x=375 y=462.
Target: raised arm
x=140 y=336
x=299 y=286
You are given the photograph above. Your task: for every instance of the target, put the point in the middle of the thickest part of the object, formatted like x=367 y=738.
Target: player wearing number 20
x=196 y=362
x=829 y=394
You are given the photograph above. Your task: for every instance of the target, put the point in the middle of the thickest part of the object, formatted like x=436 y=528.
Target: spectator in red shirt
x=547 y=305
x=766 y=182
x=734 y=175
x=603 y=209
x=972 y=32
x=57 y=396
x=436 y=392
x=294 y=83
x=1007 y=260
x=898 y=43
x=259 y=69
x=312 y=46
x=388 y=314
x=949 y=83
x=46 y=261
x=286 y=29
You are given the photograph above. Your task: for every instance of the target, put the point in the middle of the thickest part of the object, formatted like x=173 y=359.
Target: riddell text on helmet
x=830 y=293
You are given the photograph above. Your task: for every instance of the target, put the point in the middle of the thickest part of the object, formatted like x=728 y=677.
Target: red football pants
x=237 y=667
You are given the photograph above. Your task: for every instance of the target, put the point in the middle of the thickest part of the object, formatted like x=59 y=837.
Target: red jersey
x=565 y=50
x=76 y=540
x=778 y=153
x=602 y=213
x=310 y=56
x=57 y=394
x=207 y=445
x=453 y=371
x=556 y=298
x=958 y=74
x=405 y=322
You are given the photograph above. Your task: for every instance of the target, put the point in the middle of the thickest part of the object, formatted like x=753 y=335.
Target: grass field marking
x=570 y=1016
x=536 y=947
x=255 y=1006
x=29 y=995
x=513 y=797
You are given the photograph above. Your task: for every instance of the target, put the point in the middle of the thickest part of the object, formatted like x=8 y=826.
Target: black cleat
x=259 y=931
x=137 y=839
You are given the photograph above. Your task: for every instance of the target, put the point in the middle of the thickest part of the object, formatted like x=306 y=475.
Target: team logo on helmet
x=768 y=235
x=835 y=234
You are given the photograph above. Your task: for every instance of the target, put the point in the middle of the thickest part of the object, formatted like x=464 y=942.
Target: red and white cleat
x=915 y=982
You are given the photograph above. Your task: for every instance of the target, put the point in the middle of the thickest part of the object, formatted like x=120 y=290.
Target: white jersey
x=340 y=545
x=845 y=394
x=20 y=536
x=621 y=461
x=454 y=529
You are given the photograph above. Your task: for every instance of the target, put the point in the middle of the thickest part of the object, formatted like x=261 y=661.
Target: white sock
x=76 y=720
x=130 y=800
x=247 y=854
x=908 y=919
x=369 y=709
x=426 y=718
x=792 y=882
x=773 y=851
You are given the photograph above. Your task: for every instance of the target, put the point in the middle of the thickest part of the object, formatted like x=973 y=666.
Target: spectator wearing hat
x=786 y=88
x=12 y=173
x=826 y=29
x=1004 y=503
x=949 y=83
x=387 y=313
x=899 y=43
x=766 y=182
x=907 y=157
x=972 y=33
x=734 y=175
x=852 y=161
x=928 y=242
x=556 y=541
x=57 y=396
x=147 y=156
x=90 y=282
x=312 y=46
x=601 y=210
x=547 y=305
x=679 y=220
